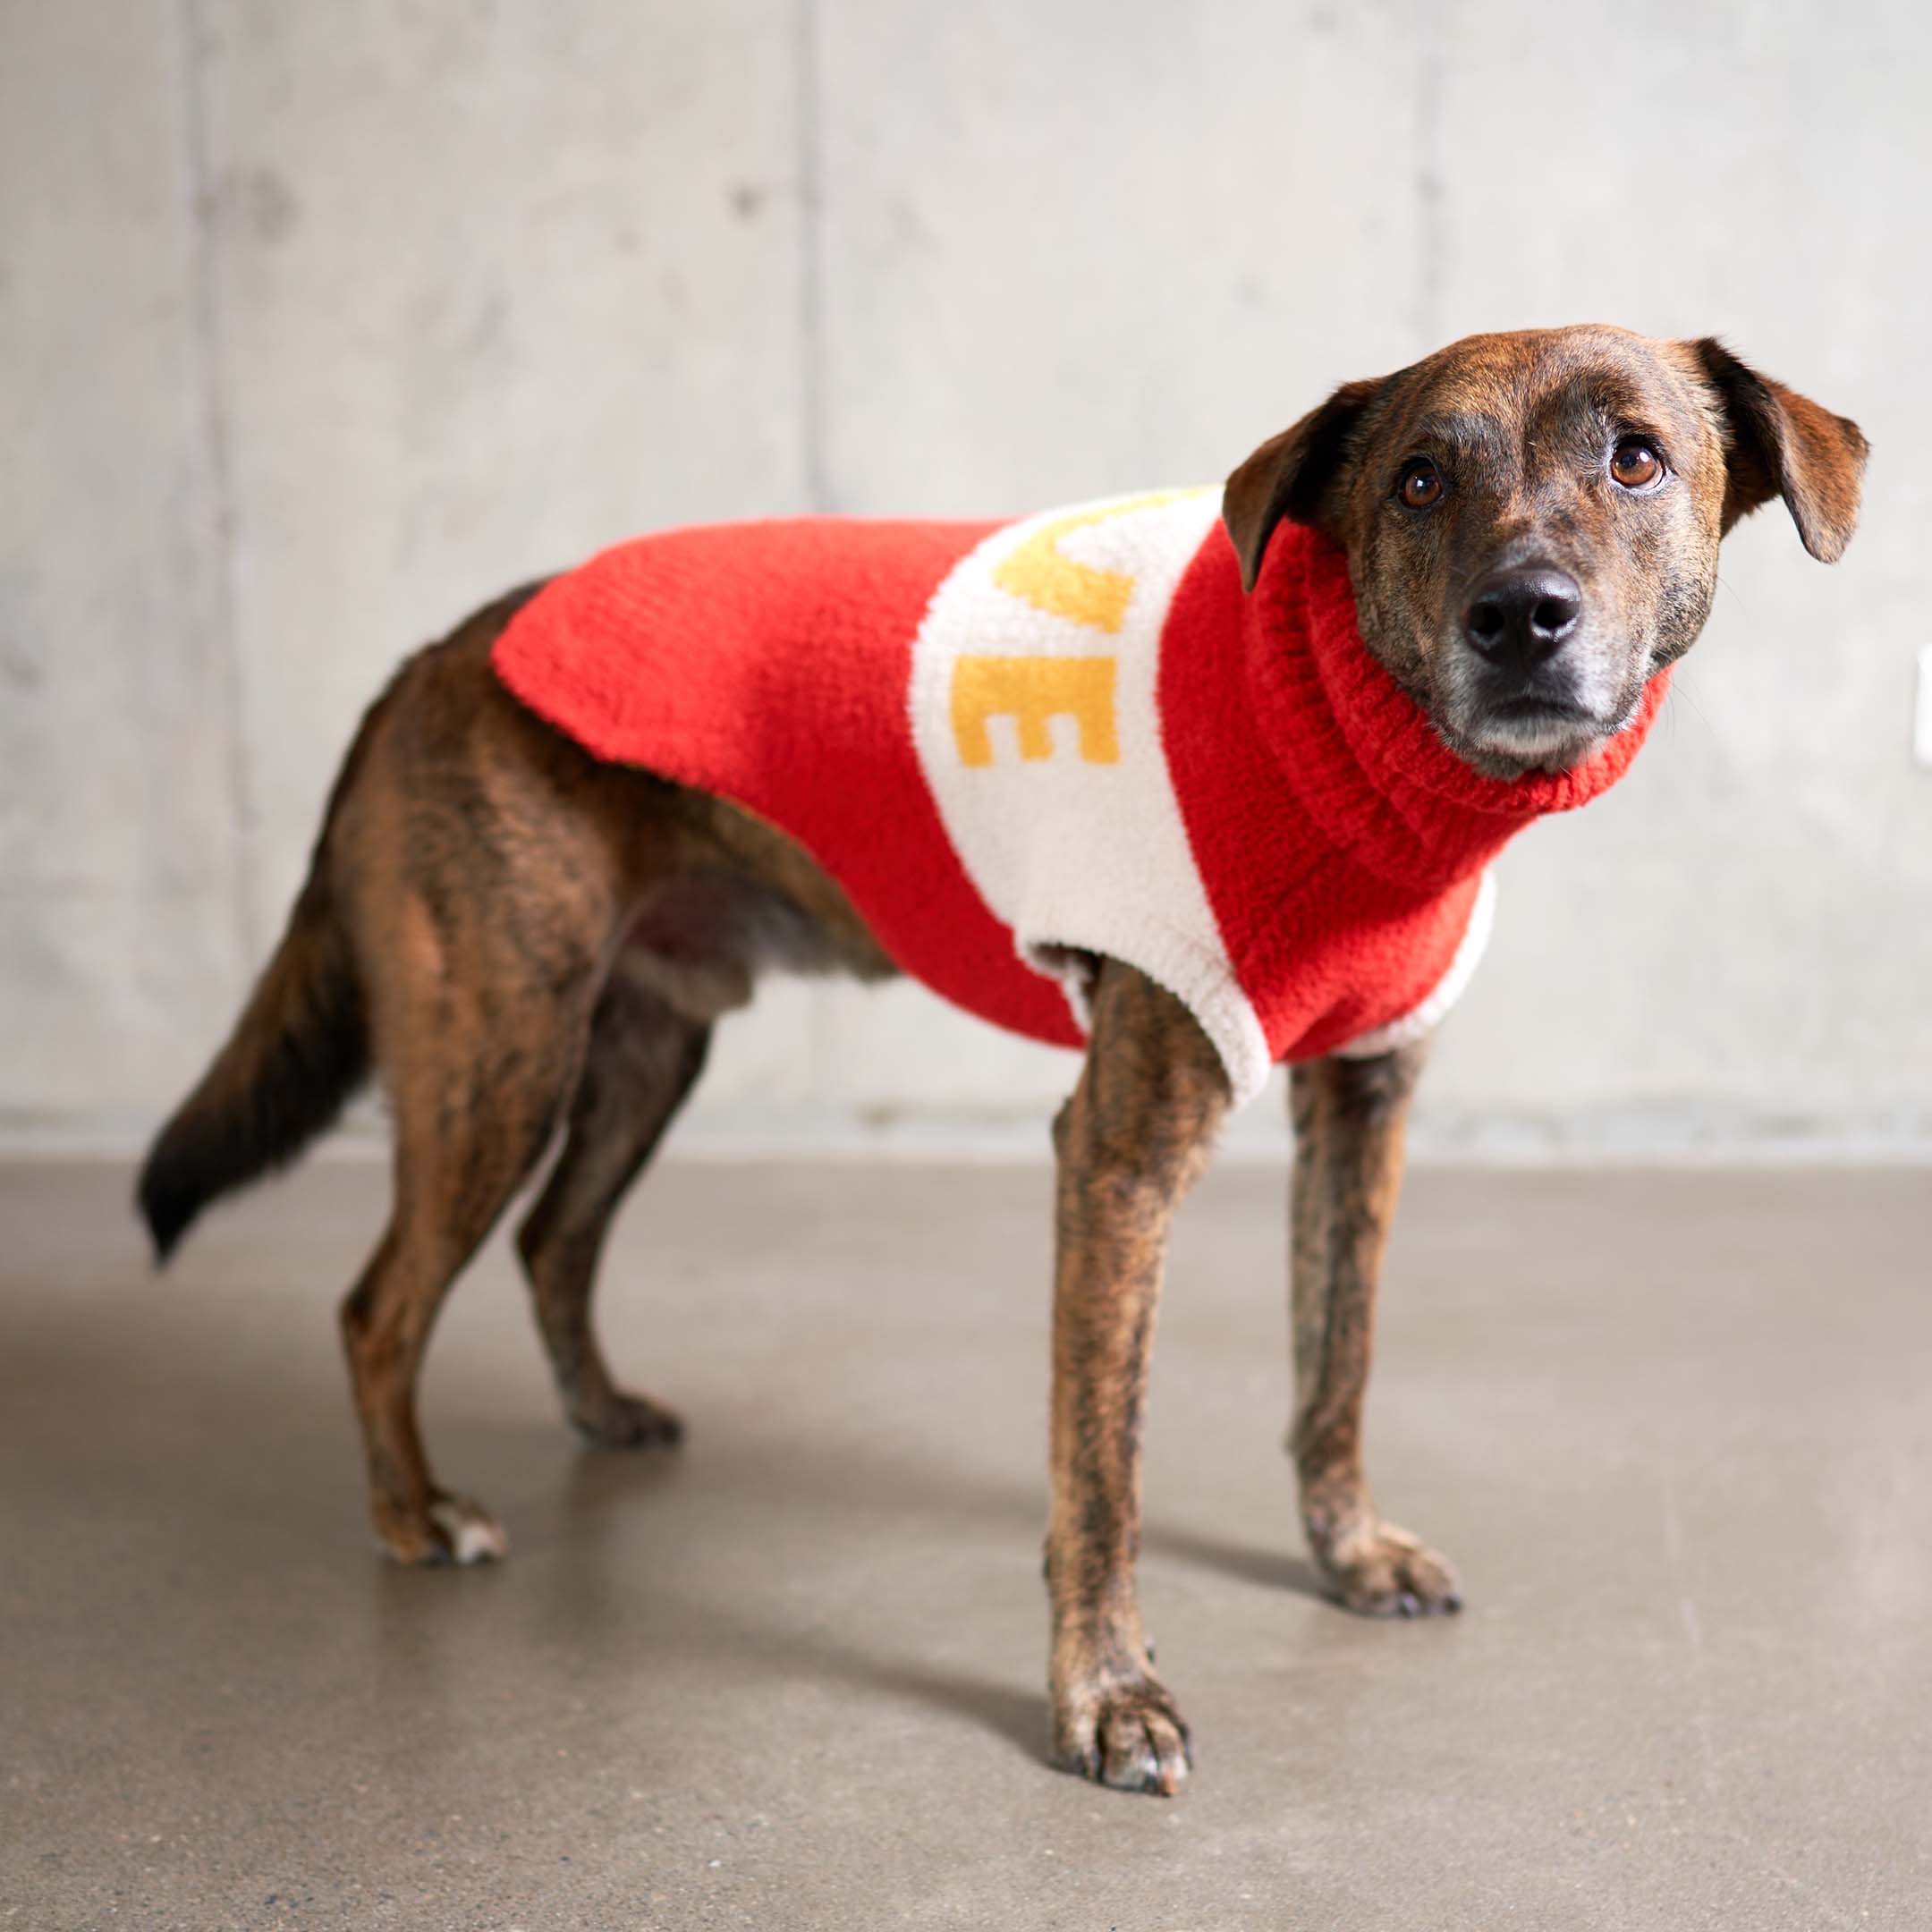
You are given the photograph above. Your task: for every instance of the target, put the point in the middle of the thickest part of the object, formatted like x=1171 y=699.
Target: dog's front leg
x=1348 y=1120
x=1133 y=1137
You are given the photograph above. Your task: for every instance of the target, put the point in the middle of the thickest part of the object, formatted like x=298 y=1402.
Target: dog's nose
x=1522 y=616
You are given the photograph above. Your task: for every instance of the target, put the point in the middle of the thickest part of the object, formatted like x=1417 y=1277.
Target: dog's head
x=1531 y=520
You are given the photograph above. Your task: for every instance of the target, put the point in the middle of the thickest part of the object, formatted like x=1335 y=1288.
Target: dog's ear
x=1291 y=475
x=1780 y=444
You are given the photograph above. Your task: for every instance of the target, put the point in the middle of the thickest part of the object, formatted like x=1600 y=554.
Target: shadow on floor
x=244 y=1456
x=1272 y=1569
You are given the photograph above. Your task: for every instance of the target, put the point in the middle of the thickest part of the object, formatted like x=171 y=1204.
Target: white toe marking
x=473 y=1536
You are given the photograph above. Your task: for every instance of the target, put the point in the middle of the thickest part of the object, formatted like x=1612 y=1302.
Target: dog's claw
x=471 y=1534
x=1386 y=1572
x=1129 y=1737
x=451 y=1530
x=629 y=1422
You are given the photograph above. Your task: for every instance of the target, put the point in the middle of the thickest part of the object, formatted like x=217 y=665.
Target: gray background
x=319 y=324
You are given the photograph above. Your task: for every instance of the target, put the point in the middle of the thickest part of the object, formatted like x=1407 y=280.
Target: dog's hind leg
x=485 y=869
x=644 y=1057
x=475 y=1099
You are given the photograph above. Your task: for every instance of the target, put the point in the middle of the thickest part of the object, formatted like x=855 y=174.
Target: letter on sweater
x=1039 y=573
x=1030 y=691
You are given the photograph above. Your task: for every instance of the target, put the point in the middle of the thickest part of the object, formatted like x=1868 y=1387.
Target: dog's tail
x=299 y=1051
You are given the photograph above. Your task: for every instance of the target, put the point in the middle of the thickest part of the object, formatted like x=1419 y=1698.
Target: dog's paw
x=1386 y=1572
x=622 y=1421
x=1130 y=1735
x=449 y=1529
x=469 y=1533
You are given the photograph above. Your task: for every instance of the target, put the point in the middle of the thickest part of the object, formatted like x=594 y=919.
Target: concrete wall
x=319 y=324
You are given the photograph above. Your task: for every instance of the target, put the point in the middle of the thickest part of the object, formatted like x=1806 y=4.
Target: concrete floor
x=1675 y=1430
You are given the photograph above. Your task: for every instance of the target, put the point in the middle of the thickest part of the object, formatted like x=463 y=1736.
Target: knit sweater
x=1020 y=746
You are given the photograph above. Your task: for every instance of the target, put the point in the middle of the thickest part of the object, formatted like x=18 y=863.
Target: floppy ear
x=1290 y=476
x=1780 y=444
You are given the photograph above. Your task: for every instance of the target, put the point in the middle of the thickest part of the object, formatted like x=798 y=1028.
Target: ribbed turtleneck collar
x=1362 y=755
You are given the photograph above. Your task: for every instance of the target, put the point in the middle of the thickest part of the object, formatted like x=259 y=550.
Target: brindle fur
x=520 y=939
x=1131 y=1140
x=1348 y=1118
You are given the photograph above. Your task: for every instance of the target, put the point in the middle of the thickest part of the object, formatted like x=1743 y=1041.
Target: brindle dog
x=516 y=936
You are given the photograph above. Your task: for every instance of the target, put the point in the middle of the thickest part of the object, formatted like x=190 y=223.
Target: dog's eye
x=1421 y=485
x=1635 y=464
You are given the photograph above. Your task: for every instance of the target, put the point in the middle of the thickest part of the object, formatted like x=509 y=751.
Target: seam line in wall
x=808 y=164
x=1431 y=237
x=217 y=459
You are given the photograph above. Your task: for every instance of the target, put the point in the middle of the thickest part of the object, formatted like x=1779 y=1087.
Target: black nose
x=1519 y=617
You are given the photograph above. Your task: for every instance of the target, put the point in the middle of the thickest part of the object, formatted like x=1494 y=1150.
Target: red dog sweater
x=1020 y=746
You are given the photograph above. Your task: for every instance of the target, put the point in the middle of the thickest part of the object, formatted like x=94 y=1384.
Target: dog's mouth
x=1538 y=711
x=1530 y=732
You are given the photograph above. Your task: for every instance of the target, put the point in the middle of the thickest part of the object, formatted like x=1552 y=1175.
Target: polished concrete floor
x=1677 y=1432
